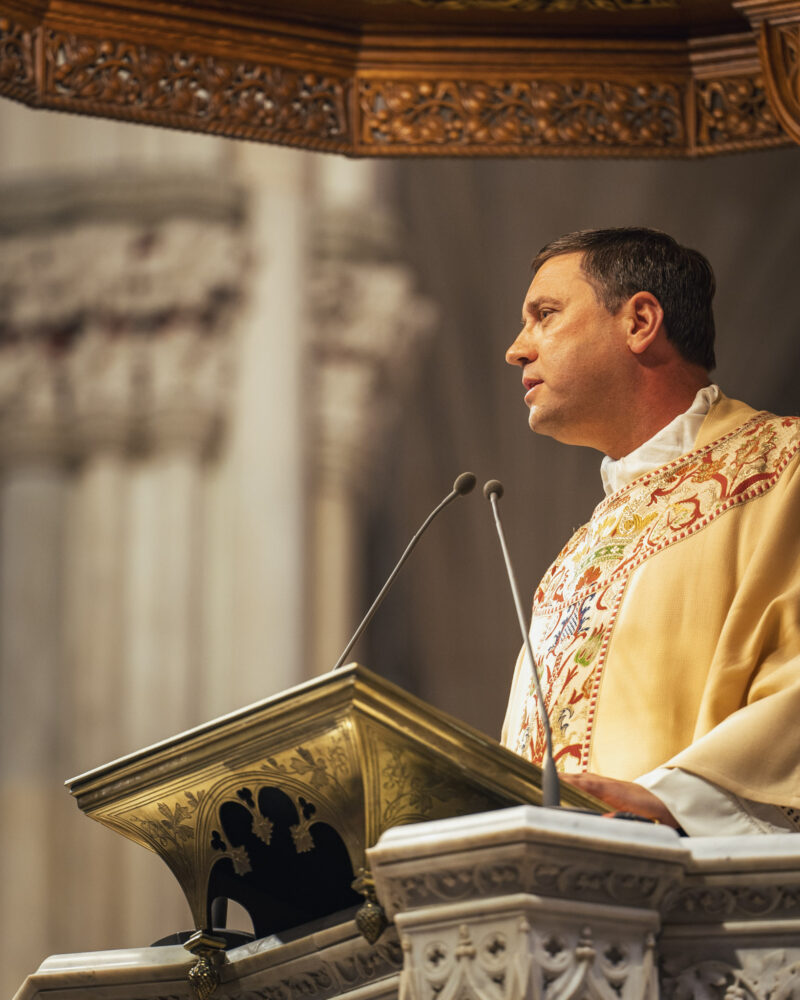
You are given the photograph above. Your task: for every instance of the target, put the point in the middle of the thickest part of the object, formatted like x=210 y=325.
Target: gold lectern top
x=274 y=805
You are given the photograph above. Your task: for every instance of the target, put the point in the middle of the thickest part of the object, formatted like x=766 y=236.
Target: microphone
x=493 y=491
x=464 y=484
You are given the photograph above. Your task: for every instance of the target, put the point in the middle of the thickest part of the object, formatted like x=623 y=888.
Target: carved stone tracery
x=708 y=904
x=595 y=882
x=327 y=972
x=761 y=975
x=520 y=954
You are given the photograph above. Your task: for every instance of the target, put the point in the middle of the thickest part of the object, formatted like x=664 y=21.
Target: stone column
x=161 y=679
x=96 y=521
x=33 y=494
x=115 y=364
x=32 y=500
x=254 y=497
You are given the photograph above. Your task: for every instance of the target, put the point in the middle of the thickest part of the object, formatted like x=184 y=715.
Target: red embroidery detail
x=577 y=604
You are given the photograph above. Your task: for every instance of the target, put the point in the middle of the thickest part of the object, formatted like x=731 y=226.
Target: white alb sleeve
x=706 y=810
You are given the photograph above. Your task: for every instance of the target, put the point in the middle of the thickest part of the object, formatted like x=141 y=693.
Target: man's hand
x=625 y=796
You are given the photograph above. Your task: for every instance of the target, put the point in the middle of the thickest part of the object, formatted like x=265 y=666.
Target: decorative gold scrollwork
x=238 y=855
x=301 y=832
x=262 y=826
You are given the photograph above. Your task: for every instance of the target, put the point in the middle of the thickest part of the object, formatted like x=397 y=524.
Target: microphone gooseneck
x=464 y=484
x=551 y=796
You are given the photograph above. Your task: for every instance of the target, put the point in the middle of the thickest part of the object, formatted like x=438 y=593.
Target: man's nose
x=521 y=351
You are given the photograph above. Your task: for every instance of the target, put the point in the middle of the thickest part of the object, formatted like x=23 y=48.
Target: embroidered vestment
x=668 y=628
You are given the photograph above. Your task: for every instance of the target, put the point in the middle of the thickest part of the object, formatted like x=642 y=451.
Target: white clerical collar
x=675 y=439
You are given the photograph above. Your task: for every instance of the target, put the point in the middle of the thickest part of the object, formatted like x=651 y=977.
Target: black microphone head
x=494 y=486
x=464 y=484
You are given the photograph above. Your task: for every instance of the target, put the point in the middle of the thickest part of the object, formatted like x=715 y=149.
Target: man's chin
x=540 y=424
x=561 y=430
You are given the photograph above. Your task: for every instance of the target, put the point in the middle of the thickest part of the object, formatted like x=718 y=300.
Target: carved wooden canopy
x=422 y=77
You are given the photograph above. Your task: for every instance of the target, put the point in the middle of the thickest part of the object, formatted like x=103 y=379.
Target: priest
x=667 y=631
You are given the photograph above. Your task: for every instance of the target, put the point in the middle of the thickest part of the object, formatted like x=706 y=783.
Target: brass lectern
x=275 y=805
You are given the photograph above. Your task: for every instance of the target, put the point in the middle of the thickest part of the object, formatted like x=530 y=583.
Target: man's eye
x=544 y=313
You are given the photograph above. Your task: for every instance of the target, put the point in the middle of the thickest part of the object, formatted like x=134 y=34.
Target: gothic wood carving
x=543 y=5
x=334 y=95
x=779 y=46
x=16 y=61
x=194 y=91
x=734 y=113
x=776 y=24
x=567 y=117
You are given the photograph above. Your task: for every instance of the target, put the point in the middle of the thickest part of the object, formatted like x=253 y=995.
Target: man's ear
x=645 y=321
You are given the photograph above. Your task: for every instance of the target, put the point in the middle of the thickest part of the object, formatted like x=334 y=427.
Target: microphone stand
x=463 y=485
x=551 y=795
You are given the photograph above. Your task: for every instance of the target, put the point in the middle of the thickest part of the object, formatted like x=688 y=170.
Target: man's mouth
x=531 y=384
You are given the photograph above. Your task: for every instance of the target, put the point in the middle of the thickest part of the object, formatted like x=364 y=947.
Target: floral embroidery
x=578 y=600
x=590 y=648
x=591 y=575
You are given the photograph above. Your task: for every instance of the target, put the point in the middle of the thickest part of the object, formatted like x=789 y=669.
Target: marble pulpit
x=382 y=849
x=522 y=903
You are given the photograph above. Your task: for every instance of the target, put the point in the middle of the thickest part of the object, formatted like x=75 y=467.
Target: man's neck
x=673 y=440
x=650 y=410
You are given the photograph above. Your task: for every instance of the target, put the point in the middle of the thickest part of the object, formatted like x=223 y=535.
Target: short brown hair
x=620 y=262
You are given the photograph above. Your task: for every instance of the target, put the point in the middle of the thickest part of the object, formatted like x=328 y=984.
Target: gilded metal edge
x=323 y=700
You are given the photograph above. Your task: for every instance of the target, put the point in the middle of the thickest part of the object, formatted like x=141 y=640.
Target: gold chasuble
x=668 y=629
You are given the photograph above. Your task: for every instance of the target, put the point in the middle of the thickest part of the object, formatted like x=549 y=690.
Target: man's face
x=573 y=356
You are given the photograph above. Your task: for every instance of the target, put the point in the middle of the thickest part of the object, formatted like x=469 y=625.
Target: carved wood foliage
x=536 y=115
x=734 y=113
x=539 y=5
x=16 y=60
x=189 y=90
x=780 y=56
x=398 y=113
